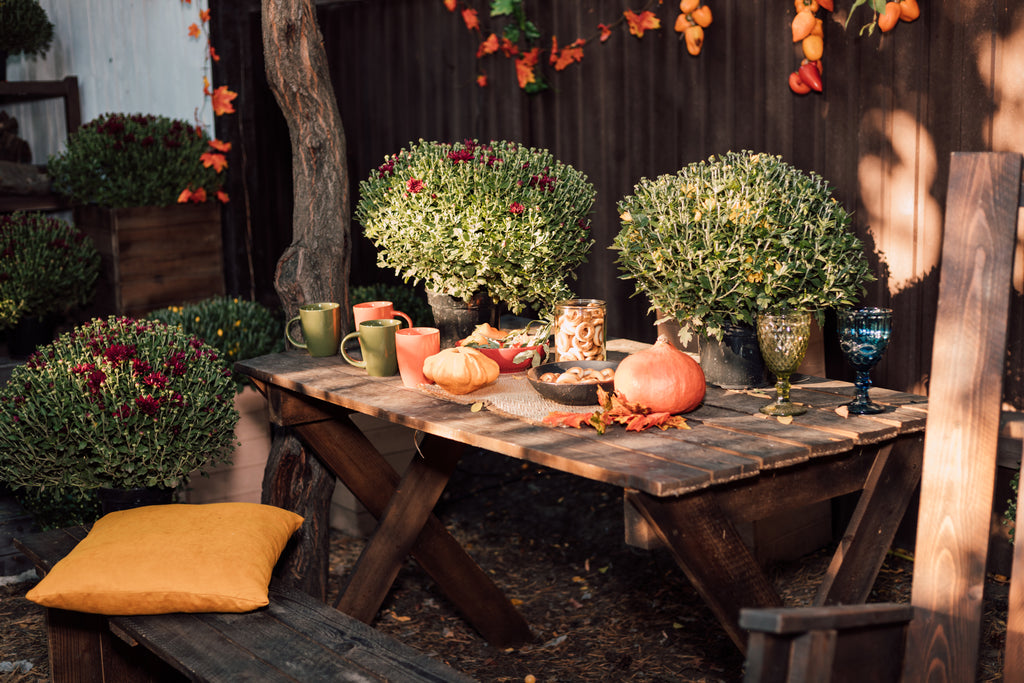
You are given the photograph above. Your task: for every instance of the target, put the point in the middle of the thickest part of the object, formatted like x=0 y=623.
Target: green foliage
x=237 y=328
x=24 y=28
x=119 y=403
x=406 y=299
x=56 y=509
x=468 y=217
x=122 y=160
x=722 y=239
x=46 y=266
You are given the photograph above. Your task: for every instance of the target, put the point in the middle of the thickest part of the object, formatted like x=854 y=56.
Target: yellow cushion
x=172 y=558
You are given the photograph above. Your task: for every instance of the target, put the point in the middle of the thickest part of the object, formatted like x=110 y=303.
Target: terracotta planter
x=153 y=257
x=242 y=480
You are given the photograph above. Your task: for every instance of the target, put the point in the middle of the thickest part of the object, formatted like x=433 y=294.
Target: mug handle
x=352 y=361
x=288 y=333
x=408 y=320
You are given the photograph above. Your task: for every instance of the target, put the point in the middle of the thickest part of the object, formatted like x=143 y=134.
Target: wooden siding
x=129 y=56
x=893 y=109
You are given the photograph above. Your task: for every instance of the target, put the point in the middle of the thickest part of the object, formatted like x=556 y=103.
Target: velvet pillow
x=172 y=558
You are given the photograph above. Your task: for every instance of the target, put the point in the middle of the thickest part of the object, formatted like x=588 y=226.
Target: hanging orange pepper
x=813 y=47
x=909 y=10
x=803 y=24
x=687 y=6
x=702 y=15
x=801 y=5
x=888 y=18
x=683 y=22
x=694 y=40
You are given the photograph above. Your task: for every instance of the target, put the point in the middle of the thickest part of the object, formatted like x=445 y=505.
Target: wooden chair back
x=938 y=636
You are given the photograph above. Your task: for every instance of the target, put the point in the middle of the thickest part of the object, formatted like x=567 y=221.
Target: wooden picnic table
x=690 y=487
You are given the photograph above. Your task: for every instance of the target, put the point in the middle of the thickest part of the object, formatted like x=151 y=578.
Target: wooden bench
x=295 y=638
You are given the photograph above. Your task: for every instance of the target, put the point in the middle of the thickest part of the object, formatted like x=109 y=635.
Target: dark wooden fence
x=893 y=109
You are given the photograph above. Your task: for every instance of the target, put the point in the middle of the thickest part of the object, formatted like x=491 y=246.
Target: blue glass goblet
x=864 y=334
x=783 y=338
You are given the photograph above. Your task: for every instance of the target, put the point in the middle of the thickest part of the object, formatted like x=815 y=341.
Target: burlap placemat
x=510 y=395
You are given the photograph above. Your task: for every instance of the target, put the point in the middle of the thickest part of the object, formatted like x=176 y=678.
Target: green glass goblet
x=783 y=338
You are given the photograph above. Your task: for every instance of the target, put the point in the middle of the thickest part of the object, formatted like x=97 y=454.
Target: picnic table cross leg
x=706 y=545
x=346 y=451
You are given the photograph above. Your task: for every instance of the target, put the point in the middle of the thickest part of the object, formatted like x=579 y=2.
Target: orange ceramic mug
x=376 y=310
x=414 y=345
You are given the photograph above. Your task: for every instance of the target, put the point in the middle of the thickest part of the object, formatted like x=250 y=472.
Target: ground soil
x=600 y=610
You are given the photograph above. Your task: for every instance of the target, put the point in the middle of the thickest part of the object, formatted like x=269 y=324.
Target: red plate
x=503 y=357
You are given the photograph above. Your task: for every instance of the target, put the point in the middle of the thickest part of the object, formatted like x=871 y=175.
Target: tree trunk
x=315 y=267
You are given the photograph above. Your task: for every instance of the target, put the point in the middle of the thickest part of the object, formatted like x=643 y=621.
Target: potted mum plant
x=118 y=405
x=24 y=29
x=150 y=182
x=720 y=240
x=238 y=329
x=478 y=222
x=47 y=268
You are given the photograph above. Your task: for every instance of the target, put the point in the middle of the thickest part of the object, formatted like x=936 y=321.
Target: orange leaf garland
x=450 y=4
x=193 y=30
x=221 y=100
x=470 y=18
x=218 y=161
x=524 y=67
x=568 y=55
x=220 y=146
x=638 y=23
x=488 y=47
x=606 y=32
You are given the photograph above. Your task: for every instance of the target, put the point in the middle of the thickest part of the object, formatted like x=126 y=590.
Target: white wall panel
x=132 y=56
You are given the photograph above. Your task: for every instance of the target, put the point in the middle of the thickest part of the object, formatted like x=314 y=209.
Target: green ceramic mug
x=321 y=328
x=377 y=341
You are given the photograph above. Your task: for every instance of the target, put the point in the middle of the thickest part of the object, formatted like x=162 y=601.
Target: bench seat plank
x=295 y=638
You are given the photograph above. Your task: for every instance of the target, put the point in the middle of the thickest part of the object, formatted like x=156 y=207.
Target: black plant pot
x=112 y=499
x=456 y=318
x=735 y=362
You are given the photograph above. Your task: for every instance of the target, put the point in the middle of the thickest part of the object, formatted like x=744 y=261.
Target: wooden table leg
x=711 y=553
x=397 y=530
x=890 y=484
x=373 y=481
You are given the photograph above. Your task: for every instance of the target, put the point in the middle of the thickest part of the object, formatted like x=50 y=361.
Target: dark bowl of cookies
x=573 y=382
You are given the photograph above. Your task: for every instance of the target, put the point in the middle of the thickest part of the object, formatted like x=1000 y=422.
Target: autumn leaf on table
x=615 y=409
x=576 y=420
x=638 y=23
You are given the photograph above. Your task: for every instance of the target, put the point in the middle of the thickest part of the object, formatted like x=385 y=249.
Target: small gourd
x=460 y=370
x=661 y=377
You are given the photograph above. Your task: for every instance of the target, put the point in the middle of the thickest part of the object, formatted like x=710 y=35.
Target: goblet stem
x=861 y=403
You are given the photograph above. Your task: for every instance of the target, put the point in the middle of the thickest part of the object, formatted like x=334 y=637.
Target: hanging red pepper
x=810 y=75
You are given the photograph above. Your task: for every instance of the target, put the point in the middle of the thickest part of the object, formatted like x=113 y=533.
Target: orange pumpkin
x=460 y=370
x=661 y=377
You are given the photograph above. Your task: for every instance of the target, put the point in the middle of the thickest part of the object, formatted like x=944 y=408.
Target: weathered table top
x=729 y=438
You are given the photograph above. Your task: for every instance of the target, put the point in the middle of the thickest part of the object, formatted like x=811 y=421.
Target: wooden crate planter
x=242 y=480
x=154 y=257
